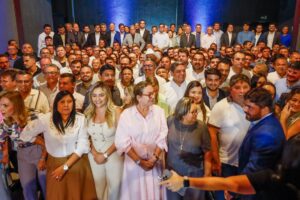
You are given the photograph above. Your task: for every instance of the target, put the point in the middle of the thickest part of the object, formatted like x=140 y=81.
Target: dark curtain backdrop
x=174 y=11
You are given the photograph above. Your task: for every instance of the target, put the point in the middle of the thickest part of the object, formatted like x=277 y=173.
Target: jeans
x=227 y=170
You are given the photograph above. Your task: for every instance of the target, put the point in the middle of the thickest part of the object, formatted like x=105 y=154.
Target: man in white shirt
x=161 y=38
x=208 y=38
x=149 y=67
x=41 y=40
x=238 y=61
x=227 y=127
x=258 y=33
x=196 y=72
x=174 y=89
x=183 y=56
x=280 y=65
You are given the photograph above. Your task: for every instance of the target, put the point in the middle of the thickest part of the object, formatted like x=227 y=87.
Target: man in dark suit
x=120 y=36
x=94 y=38
x=211 y=93
x=258 y=34
x=144 y=32
x=263 y=143
x=60 y=38
x=86 y=31
x=110 y=35
x=228 y=38
x=187 y=39
x=272 y=36
x=76 y=36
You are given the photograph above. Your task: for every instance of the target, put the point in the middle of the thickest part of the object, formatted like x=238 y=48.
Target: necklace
x=181 y=137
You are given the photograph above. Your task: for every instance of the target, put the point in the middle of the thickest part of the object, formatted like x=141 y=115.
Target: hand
x=99 y=158
x=58 y=173
x=41 y=164
x=286 y=112
x=174 y=183
x=146 y=165
x=216 y=167
x=227 y=195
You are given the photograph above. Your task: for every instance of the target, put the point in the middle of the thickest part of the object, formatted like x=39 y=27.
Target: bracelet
x=42 y=159
x=138 y=162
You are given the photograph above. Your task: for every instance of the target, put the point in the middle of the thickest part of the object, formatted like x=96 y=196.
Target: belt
x=25 y=145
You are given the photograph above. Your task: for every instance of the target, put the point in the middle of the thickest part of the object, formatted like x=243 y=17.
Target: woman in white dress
x=106 y=164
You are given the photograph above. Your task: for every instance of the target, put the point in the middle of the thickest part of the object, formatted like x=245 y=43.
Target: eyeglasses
x=152 y=94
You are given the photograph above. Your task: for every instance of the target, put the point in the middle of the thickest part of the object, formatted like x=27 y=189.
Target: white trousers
x=108 y=176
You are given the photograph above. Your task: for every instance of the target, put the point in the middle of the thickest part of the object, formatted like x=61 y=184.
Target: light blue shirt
x=245 y=36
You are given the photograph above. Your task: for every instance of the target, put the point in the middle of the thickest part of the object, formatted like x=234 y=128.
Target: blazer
x=117 y=37
x=80 y=40
x=137 y=40
x=222 y=95
x=91 y=40
x=184 y=43
x=57 y=40
x=262 y=146
x=225 y=39
x=108 y=37
x=146 y=36
x=276 y=38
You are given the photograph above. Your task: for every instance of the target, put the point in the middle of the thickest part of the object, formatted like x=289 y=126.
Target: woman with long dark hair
x=69 y=173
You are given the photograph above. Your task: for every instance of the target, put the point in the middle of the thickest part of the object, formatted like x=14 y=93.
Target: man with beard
x=107 y=76
x=196 y=72
x=211 y=93
x=263 y=143
x=75 y=67
x=86 y=77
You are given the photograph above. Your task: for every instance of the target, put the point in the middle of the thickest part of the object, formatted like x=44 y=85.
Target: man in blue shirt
x=245 y=35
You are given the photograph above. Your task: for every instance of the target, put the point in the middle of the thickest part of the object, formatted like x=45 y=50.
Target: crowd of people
x=99 y=114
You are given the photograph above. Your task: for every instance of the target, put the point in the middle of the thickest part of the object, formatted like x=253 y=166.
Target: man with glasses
x=34 y=100
x=50 y=87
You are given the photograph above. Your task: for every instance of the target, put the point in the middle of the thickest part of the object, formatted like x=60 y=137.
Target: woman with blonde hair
x=102 y=116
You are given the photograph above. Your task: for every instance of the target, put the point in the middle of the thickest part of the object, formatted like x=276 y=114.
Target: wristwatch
x=66 y=167
x=138 y=162
x=105 y=155
x=186 y=181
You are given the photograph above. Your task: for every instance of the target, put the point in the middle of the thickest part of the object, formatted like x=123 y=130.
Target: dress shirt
x=161 y=40
x=257 y=36
x=122 y=36
x=75 y=139
x=112 y=36
x=270 y=39
x=229 y=37
x=207 y=40
x=245 y=36
x=142 y=31
x=97 y=38
x=41 y=41
x=218 y=35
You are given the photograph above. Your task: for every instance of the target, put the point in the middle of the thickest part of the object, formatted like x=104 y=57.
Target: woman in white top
x=68 y=170
x=106 y=164
x=194 y=91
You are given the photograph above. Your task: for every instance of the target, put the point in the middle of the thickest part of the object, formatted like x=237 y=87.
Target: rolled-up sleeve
x=32 y=129
x=82 y=143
